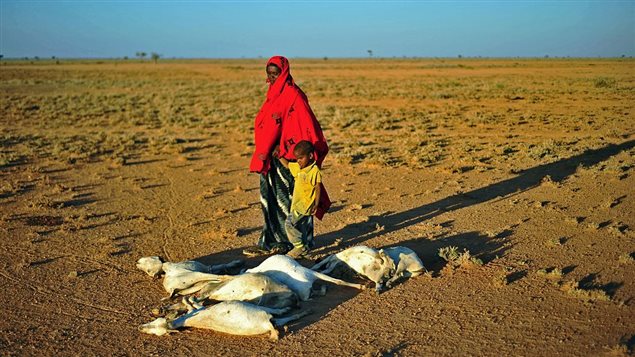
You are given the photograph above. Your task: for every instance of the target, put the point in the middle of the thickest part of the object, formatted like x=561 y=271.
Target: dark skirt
x=276 y=189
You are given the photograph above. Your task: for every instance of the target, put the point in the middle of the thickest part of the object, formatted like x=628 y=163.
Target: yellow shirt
x=304 y=192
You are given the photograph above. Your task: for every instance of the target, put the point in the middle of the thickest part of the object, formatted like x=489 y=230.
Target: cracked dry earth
x=529 y=165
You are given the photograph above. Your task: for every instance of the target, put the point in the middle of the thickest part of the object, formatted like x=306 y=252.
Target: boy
x=306 y=195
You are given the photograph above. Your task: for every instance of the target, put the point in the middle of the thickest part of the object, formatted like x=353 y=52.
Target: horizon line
x=458 y=57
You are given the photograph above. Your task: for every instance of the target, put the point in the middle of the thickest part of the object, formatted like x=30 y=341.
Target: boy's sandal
x=278 y=249
x=255 y=251
x=297 y=253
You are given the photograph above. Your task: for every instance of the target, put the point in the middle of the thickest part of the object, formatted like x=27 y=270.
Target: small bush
x=456 y=259
x=573 y=289
x=501 y=278
x=449 y=254
x=626 y=258
x=555 y=242
x=604 y=82
x=550 y=273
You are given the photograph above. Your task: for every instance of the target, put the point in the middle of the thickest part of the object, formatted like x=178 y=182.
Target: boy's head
x=303 y=152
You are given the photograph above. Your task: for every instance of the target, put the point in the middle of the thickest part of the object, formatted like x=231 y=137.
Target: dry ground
x=528 y=164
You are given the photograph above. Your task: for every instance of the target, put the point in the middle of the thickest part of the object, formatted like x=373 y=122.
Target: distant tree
x=325 y=58
x=52 y=57
x=460 y=56
x=370 y=53
x=125 y=58
x=141 y=55
x=1 y=57
x=155 y=56
x=37 y=58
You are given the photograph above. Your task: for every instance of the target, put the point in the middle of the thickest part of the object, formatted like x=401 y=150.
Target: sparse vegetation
x=551 y=273
x=449 y=254
x=555 y=242
x=501 y=278
x=626 y=258
x=524 y=162
x=193 y=100
x=456 y=259
x=604 y=82
x=572 y=288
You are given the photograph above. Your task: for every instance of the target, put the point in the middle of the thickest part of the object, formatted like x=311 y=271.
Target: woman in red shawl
x=284 y=120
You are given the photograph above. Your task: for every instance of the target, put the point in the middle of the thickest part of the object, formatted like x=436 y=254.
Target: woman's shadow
x=558 y=171
x=482 y=246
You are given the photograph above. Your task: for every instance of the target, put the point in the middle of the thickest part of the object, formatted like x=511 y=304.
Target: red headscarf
x=276 y=88
x=285 y=119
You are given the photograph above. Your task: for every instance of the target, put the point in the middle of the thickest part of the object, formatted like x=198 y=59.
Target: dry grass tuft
x=456 y=259
x=604 y=82
x=501 y=278
x=572 y=288
x=551 y=273
x=626 y=258
x=555 y=242
x=221 y=232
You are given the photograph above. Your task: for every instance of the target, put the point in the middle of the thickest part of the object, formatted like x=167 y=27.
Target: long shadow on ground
x=558 y=171
x=486 y=248
x=482 y=246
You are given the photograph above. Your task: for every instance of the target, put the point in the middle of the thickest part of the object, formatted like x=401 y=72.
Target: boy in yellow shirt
x=306 y=195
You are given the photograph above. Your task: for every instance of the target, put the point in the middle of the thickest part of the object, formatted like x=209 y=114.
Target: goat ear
x=386 y=259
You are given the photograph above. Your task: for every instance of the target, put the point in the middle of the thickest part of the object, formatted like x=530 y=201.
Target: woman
x=284 y=120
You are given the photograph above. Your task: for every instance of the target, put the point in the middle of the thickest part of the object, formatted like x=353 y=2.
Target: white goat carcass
x=365 y=261
x=290 y=273
x=153 y=266
x=384 y=266
x=256 y=288
x=232 y=317
x=183 y=277
x=406 y=261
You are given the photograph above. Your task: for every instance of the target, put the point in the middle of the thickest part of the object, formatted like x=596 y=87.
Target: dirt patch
x=44 y=221
x=526 y=165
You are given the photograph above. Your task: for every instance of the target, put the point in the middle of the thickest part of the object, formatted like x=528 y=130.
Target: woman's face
x=272 y=73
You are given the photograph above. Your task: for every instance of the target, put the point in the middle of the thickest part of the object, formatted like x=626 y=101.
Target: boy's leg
x=295 y=235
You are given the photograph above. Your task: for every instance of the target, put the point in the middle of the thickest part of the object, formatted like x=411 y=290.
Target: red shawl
x=285 y=119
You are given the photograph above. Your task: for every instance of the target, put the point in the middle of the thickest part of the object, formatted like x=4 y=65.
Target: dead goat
x=407 y=263
x=365 y=261
x=232 y=317
x=290 y=273
x=256 y=288
x=153 y=266
x=183 y=277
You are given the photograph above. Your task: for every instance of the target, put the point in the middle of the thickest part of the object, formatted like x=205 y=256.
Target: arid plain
x=528 y=164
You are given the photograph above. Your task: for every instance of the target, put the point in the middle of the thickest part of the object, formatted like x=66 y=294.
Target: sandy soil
x=527 y=164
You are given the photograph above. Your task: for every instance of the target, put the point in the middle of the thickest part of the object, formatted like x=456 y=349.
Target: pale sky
x=236 y=29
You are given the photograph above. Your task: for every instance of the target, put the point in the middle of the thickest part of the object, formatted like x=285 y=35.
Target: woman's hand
x=318 y=193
